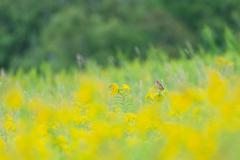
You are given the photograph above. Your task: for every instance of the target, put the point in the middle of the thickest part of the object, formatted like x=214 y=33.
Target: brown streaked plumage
x=159 y=86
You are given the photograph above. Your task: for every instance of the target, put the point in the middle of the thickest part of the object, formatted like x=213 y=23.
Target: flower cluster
x=115 y=88
x=222 y=61
x=80 y=121
x=9 y=124
x=155 y=95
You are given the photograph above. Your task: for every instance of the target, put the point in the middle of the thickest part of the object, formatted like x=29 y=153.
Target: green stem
x=124 y=105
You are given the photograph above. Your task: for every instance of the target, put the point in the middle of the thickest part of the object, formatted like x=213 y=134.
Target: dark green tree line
x=56 y=31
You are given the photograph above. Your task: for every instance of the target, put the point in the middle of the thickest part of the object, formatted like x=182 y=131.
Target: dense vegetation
x=56 y=31
x=77 y=79
x=118 y=113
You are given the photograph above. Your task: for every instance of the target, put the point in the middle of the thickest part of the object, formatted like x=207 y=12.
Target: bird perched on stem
x=159 y=85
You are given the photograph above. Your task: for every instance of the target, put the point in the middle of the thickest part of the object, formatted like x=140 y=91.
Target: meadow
x=116 y=112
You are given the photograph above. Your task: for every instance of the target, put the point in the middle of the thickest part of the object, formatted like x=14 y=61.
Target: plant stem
x=124 y=105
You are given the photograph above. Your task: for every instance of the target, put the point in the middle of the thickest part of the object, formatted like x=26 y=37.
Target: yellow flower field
x=118 y=113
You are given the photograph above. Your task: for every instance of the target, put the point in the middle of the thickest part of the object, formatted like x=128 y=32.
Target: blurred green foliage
x=57 y=31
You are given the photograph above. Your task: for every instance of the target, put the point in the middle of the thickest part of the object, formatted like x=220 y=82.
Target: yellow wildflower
x=222 y=61
x=217 y=88
x=42 y=129
x=114 y=89
x=129 y=128
x=126 y=87
x=2 y=144
x=77 y=118
x=61 y=142
x=148 y=94
x=230 y=63
x=196 y=110
x=14 y=100
x=155 y=89
x=130 y=117
x=9 y=124
x=182 y=101
x=53 y=124
x=117 y=109
x=14 y=127
x=155 y=95
x=85 y=94
x=165 y=91
x=172 y=113
x=110 y=115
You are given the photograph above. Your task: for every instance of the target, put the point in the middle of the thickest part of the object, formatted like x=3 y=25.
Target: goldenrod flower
x=9 y=124
x=14 y=100
x=114 y=89
x=172 y=113
x=53 y=124
x=222 y=61
x=129 y=128
x=85 y=94
x=196 y=110
x=166 y=91
x=126 y=87
x=217 y=88
x=148 y=94
x=182 y=101
x=153 y=95
x=117 y=109
x=2 y=144
x=130 y=117
x=110 y=115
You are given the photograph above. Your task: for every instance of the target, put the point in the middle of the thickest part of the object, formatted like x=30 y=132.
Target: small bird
x=159 y=86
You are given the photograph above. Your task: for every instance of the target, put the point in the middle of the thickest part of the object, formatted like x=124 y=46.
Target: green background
x=59 y=31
